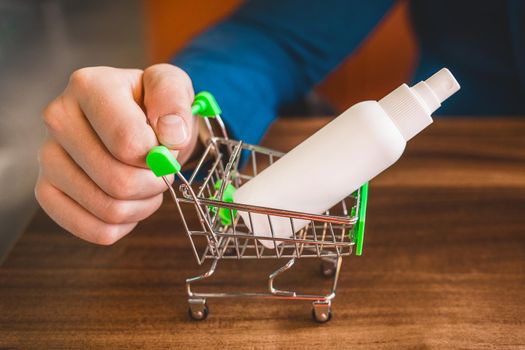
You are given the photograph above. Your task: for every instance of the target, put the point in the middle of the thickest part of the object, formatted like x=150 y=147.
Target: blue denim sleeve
x=272 y=52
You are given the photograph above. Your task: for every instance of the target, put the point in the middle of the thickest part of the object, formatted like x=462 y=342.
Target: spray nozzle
x=443 y=84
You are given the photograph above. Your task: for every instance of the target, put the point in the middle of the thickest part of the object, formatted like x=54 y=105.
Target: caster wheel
x=321 y=317
x=327 y=269
x=200 y=313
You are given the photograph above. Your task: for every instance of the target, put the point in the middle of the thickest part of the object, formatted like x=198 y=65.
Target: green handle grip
x=359 y=227
x=162 y=162
x=205 y=105
x=159 y=159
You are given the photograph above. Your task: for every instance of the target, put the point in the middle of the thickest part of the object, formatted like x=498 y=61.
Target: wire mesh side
x=327 y=235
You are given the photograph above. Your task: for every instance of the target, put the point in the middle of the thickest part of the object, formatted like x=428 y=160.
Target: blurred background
x=43 y=41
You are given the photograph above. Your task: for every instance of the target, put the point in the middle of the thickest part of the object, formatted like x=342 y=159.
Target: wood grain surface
x=443 y=265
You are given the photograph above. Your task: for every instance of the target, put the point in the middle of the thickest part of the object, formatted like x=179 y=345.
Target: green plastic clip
x=359 y=226
x=159 y=159
x=205 y=105
x=162 y=162
x=227 y=196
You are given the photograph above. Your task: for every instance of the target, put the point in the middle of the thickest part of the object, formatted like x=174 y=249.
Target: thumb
x=168 y=95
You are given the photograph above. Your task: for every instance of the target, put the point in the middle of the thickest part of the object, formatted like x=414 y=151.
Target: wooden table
x=443 y=265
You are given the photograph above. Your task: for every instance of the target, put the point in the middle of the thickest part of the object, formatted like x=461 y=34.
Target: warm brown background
x=384 y=60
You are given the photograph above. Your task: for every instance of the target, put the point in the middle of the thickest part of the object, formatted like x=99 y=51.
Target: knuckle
x=181 y=74
x=53 y=114
x=117 y=212
x=186 y=80
x=158 y=69
x=83 y=78
x=47 y=152
x=164 y=72
x=121 y=186
x=41 y=193
x=108 y=235
x=128 y=148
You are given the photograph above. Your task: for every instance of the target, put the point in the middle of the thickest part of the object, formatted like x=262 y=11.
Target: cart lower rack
x=220 y=233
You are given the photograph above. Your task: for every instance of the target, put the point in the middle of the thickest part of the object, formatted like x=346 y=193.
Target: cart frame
x=221 y=232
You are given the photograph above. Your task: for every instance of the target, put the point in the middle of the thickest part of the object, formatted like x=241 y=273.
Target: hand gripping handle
x=159 y=159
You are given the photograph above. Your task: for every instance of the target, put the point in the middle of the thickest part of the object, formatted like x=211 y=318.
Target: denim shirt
x=272 y=52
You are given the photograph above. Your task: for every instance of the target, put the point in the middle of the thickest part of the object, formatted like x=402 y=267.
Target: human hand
x=93 y=178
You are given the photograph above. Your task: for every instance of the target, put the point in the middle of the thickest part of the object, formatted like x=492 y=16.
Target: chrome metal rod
x=199 y=164
x=276 y=273
x=202 y=217
x=207 y=274
x=277 y=212
x=175 y=199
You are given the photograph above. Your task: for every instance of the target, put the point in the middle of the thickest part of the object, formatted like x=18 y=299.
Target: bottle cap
x=410 y=107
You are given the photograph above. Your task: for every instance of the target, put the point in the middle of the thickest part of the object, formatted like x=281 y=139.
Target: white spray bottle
x=352 y=149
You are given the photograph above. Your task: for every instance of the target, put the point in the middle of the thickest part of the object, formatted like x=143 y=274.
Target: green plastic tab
x=159 y=159
x=205 y=105
x=359 y=227
x=162 y=162
x=227 y=196
x=229 y=190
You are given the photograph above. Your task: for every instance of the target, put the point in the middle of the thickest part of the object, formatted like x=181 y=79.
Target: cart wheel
x=321 y=312
x=198 y=311
x=327 y=269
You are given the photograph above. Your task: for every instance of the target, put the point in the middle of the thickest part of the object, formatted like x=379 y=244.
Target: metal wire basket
x=221 y=233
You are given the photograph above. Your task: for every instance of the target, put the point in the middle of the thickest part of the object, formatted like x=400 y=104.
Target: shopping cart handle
x=205 y=105
x=359 y=228
x=159 y=159
x=162 y=162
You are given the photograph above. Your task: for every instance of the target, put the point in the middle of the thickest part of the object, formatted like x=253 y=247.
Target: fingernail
x=172 y=130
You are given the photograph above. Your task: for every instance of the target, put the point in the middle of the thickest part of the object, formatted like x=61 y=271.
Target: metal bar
x=295 y=238
x=273 y=237
x=227 y=171
x=314 y=231
x=336 y=276
x=199 y=164
x=334 y=239
x=276 y=273
x=277 y=212
x=235 y=239
x=259 y=253
x=285 y=240
x=345 y=210
x=325 y=254
x=250 y=147
x=244 y=247
x=222 y=126
x=207 y=274
x=175 y=199
x=208 y=125
x=306 y=297
x=254 y=163
x=210 y=173
x=202 y=218
x=291 y=241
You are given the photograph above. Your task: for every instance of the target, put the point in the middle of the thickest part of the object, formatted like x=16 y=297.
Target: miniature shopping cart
x=220 y=233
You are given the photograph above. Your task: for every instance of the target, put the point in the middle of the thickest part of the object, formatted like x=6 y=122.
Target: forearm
x=270 y=52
